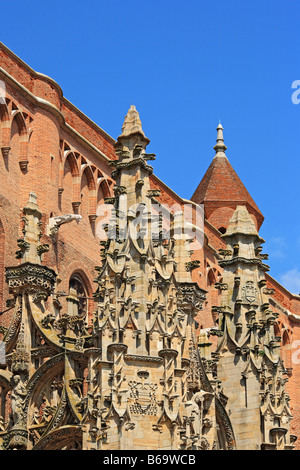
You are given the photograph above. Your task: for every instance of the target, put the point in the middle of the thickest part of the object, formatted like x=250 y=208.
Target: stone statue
x=18 y=395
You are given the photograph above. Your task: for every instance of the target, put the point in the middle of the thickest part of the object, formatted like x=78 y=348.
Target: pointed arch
x=18 y=126
x=80 y=272
x=87 y=170
x=214 y=294
x=106 y=187
x=277 y=328
x=211 y=278
x=18 y=116
x=70 y=182
x=103 y=191
x=5 y=127
x=69 y=158
x=79 y=282
x=103 y=210
x=286 y=348
x=4 y=113
x=88 y=192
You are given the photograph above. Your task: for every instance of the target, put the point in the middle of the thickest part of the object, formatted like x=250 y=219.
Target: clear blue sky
x=185 y=64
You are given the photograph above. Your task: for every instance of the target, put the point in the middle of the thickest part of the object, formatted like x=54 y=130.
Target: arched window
x=286 y=349
x=77 y=284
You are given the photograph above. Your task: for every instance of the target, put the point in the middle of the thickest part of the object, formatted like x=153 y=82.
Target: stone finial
x=32 y=201
x=133 y=127
x=132 y=122
x=30 y=243
x=241 y=223
x=220 y=147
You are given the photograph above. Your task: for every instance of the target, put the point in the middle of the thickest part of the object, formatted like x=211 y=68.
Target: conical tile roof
x=221 y=184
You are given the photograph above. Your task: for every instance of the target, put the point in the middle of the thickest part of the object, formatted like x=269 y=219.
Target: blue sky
x=185 y=65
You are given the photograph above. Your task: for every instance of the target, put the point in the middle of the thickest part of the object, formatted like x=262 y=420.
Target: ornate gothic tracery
x=72 y=388
x=137 y=377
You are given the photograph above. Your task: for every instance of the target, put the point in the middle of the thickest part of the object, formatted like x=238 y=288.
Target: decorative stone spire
x=132 y=123
x=220 y=147
x=30 y=247
x=147 y=302
x=248 y=344
x=145 y=380
x=30 y=276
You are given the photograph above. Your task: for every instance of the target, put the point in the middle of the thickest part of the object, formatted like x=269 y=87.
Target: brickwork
x=222 y=190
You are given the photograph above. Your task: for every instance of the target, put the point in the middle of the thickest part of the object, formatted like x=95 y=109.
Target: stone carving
x=18 y=395
x=56 y=222
x=248 y=335
x=138 y=369
x=143 y=399
x=250 y=292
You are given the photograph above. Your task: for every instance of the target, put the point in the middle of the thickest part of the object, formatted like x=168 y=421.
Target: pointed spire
x=30 y=247
x=132 y=127
x=132 y=122
x=220 y=147
x=212 y=190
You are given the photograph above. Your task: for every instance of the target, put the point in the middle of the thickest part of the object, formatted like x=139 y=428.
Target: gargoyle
x=57 y=221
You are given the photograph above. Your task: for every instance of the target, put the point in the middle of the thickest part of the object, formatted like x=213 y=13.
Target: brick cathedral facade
x=134 y=342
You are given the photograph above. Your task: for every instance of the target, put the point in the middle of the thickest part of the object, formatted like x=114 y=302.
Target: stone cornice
x=141 y=358
x=285 y=311
x=290 y=295
x=238 y=259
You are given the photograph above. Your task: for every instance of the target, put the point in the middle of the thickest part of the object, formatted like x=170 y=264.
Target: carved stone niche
x=278 y=436
x=116 y=348
x=190 y=295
